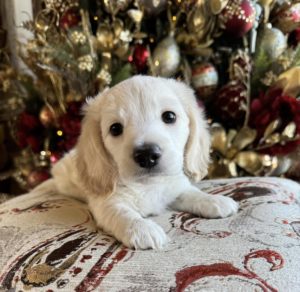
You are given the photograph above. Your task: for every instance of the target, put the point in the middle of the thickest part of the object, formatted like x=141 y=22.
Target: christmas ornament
x=78 y=37
x=272 y=41
x=45 y=19
x=216 y=6
x=60 y=5
x=266 y=5
x=152 y=7
x=113 y=38
x=230 y=153
x=238 y=17
x=240 y=66
x=230 y=103
x=69 y=19
x=288 y=19
x=47 y=116
x=36 y=177
x=166 y=57
x=289 y=82
x=86 y=63
x=140 y=57
x=204 y=79
x=201 y=23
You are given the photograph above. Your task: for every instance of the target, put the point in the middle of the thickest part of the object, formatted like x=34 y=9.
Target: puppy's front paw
x=216 y=206
x=144 y=234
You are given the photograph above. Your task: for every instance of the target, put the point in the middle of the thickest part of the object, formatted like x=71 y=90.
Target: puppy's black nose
x=147 y=155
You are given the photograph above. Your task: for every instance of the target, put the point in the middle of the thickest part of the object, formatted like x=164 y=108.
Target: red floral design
x=271 y=106
x=189 y=275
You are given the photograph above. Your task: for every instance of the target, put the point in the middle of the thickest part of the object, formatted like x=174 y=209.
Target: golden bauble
x=166 y=57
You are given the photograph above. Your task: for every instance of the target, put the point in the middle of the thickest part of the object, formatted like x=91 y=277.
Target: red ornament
x=204 y=80
x=140 y=57
x=230 y=103
x=36 y=177
x=69 y=19
x=238 y=17
x=288 y=19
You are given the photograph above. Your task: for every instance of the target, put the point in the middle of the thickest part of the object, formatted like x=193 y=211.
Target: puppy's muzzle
x=147 y=155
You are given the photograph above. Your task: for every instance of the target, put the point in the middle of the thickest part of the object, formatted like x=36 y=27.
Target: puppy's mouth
x=151 y=171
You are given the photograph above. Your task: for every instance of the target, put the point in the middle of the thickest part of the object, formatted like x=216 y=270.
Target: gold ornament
x=46 y=19
x=267 y=6
x=86 y=63
x=234 y=150
x=202 y=23
x=166 y=57
x=60 y=5
x=289 y=81
x=216 y=6
x=78 y=37
x=113 y=38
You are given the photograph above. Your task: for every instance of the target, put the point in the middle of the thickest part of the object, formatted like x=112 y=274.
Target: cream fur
x=120 y=194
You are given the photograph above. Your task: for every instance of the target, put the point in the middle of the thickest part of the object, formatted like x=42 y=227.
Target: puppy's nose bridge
x=147 y=155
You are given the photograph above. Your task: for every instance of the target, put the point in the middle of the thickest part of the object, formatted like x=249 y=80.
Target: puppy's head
x=144 y=126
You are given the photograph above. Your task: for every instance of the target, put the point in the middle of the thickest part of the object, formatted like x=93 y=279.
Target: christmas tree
x=241 y=57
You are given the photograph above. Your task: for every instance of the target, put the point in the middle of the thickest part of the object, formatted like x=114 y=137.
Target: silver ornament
x=166 y=57
x=272 y=41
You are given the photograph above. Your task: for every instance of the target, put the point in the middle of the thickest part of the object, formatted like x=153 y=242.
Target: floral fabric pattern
x=51 y=243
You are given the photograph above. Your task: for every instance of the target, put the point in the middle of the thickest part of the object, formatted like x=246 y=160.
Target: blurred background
x=242 y=57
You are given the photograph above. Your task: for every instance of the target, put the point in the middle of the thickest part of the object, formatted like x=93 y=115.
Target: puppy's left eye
x=169 y=117
x=116 y=129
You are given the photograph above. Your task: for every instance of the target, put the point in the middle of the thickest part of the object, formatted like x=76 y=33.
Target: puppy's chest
x=152 y=200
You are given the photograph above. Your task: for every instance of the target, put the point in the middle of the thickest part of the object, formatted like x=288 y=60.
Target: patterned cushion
x=50 y=243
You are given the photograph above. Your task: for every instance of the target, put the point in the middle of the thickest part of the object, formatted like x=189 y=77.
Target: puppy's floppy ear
x=198 y=145
x=95 y=166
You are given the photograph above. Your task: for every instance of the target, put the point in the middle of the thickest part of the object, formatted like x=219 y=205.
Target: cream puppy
x=142 y=141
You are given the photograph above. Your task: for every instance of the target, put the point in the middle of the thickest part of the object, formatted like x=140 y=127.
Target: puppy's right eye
x=116 y=129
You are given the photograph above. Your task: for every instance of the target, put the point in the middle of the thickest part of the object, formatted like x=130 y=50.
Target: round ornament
x=272 y=41
x=140 y=57
x=166 y=57
x=238 y=17
x=69 y=19
x=288 y=19
x=230 y=103
x=204 y=80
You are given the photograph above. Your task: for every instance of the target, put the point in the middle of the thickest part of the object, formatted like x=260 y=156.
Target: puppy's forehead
x=140 y=95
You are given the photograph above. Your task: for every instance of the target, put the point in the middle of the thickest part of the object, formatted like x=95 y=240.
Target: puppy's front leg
x=201 y=204
x=119 y=218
